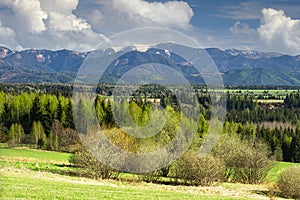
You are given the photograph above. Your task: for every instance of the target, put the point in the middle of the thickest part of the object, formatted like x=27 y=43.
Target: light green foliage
x=231 y=128
x=20 y=105
x=16 y=134
x=56 y=131
x=38 y=134
x=2 y=101
x=100 y=111
x=136 y=113
x=202 y=126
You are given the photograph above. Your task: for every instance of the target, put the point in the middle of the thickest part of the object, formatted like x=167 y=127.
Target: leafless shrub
x=205 y=171
x=94 y=168
x=289 y=182
x=246 y=162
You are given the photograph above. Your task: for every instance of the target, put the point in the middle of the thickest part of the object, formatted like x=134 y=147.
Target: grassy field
x=25 y=174
x=263 y=92
x=277 y=168
x=270 y=101
x=25 y=184
x=33 y=155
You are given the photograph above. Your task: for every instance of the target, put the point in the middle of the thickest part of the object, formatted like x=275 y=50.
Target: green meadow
x=36 y=174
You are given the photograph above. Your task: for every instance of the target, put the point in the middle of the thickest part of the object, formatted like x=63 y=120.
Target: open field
x=25 y=174
x=19 y=154
x=260 y=95
x=267 y=101
x=24 y=183
x=279 y=92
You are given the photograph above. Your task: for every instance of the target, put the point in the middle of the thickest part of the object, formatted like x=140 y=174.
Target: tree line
x=46 y=120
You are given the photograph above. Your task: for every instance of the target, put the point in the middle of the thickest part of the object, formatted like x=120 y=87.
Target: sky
x=266 y=25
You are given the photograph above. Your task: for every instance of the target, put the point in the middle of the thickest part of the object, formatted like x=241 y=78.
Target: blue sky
x=267 y=25
x=219 y=15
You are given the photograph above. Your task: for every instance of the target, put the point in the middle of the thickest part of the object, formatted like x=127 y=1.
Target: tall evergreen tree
x=69 y=121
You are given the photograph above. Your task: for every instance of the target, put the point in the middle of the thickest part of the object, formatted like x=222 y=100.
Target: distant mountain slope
x=39 y=65
x=260 y=76
x=238 y=67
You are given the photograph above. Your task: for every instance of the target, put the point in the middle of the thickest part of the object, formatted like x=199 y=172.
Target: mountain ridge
x=238 y=67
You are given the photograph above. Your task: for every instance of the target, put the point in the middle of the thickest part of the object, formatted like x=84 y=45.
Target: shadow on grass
x=71 y=170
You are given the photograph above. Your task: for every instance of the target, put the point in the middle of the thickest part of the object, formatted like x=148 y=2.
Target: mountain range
x=237 y=67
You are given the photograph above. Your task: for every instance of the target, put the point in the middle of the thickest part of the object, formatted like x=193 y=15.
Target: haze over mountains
x=238 y=67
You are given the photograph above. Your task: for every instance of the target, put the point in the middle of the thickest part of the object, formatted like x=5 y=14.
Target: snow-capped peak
x=167 y=52
x=135 y=47
x=40 y=58
x=4 y=52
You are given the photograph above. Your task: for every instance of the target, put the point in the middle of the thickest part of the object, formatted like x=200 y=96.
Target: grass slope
x=35 y=174
x=25 y=184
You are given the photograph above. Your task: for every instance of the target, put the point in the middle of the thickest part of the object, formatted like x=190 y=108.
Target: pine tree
x=81 y=118
x=47 y=118
x=69 y=121
x=35 y=112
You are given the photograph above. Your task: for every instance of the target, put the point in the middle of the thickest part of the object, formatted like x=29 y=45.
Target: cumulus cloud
x=276 y=32
x=60 y=16
x=279 y=32
x=175 y=14
x=118 y=15
x=25 y=16
x=47 y=24
x=79 y=25
x=65 y=7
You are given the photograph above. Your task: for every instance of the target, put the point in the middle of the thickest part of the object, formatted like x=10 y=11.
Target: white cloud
x=60 y=16
x=62 y=22
x=240 y=28
x=279 y=32
x=173 y=14
x=8 y=37
x=65 y=7
x=276 y=32
x=77 y=24
x=119 y=15
x=47 y=24
x=27 y=15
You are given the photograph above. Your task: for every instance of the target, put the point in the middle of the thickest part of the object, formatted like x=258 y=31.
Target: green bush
x=246 y=162
x=156 y=175
x=196 y=170
x=151 y=177
x=289 y=182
